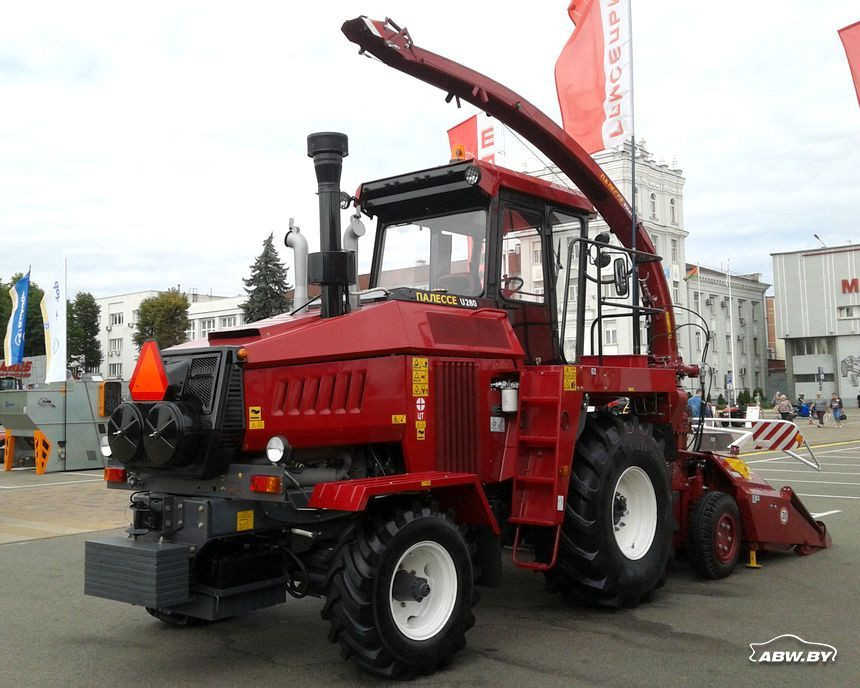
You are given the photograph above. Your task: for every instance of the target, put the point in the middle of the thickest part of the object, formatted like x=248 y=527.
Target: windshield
x=444 y=253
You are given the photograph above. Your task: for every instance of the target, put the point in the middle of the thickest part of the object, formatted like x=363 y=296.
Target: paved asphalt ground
x=694 y=632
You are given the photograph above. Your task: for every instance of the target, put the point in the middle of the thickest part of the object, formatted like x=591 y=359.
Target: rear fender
x=460 y=492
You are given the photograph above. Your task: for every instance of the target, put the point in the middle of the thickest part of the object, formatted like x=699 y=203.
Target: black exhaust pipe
x=332 y=268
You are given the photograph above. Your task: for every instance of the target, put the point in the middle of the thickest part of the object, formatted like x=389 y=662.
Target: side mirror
x=622 y=284
x=605 y=258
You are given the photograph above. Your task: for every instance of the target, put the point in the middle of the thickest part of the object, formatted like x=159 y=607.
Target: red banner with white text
x=850 y=36
x=593 y=74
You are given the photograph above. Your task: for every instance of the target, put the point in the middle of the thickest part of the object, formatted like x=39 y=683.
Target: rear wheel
x=400 y=600
x=714 y=545
x=616 y=536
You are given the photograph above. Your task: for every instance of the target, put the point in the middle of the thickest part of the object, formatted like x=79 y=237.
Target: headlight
x=472 y=175
x=276 y=448
x=105 y=446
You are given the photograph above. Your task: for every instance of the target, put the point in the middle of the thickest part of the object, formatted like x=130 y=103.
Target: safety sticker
x=570 y=378
x=245 y=520
x=420 y=389
x=420 y=429
x=398 y=419
x=420 y=404
x=420 y=375
x=255 y=418
x=419 y=363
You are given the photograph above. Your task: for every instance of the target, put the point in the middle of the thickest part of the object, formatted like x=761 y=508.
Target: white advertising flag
x=54 y=316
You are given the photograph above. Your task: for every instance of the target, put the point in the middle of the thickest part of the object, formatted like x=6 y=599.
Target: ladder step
x=538 y=440
x=523 y=521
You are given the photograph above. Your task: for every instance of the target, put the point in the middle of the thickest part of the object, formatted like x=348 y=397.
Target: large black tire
x=591 y=567
x=714 y=535
x=359 y=602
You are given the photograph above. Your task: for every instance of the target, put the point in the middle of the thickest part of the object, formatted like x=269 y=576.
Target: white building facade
x=660 y=208
x=817 y=304
x=119 y=315
x=736 y=316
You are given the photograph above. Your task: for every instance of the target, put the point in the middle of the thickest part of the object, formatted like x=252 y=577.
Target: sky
x=157 y=144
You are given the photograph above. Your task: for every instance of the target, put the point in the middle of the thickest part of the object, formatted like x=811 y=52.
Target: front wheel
x=714 y=545
x=617 y=531
x=400 y=600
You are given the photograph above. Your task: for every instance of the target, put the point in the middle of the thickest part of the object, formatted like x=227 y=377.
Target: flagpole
x=634 y=296
x=732 y=331
x=65 y=362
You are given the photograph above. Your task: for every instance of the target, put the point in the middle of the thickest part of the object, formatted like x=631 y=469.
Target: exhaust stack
x=332 y=268
x=296 y=241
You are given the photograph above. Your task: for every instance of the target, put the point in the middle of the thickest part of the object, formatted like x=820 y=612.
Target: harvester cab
x=378 y=453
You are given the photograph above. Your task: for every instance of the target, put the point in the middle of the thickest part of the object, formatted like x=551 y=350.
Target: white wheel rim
x=634 y=513
x=423 y=620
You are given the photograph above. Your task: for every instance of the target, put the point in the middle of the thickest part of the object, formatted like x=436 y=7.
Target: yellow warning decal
x=398 y=419
x=420 y=389
x=255 y=413
x=420 y=430
x=669 y=324
x=420 y=375
x=425 y=483
x=739 y=466
x=419 y=363
x=570 y=378
x=245 y=520
x=256 y=424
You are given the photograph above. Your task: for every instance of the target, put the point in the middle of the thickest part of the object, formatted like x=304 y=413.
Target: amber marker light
x=269 y=484
x=114 y=474
x=242 y=354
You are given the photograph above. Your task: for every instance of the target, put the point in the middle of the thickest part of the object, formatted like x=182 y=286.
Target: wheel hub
x=726 y=538
x=423 y=590
x=409 y=587
x=634 y=513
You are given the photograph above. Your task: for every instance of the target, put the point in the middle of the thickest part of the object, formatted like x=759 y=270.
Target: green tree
x=163 y=318
x=34 y=337
x=267 y=286
x=83 y=330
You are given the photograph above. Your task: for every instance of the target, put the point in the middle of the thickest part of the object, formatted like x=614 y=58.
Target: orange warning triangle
x=149 y=380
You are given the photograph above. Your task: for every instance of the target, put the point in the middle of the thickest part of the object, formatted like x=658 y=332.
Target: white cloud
x=159 y=144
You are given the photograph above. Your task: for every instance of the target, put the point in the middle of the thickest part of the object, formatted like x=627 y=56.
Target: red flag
x=475 y=137
x=593 y=74
x=850 y=36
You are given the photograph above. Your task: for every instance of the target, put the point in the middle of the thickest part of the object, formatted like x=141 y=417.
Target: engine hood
x=380 y=329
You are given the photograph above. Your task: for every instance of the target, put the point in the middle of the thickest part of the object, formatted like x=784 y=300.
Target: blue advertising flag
x=13 y=346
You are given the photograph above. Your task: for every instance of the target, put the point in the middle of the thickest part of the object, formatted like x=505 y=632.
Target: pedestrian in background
x=836 y=409
x=694 y=405
x=785 y=409
x=819 y=407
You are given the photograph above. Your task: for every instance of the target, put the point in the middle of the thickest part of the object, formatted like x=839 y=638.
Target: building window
x=696 y=302
x=653 y=206
x=135 y=316
x=206 y=326
x=189 y=333
x=728 y=342
x=711 y=300
x=848 y=312
x=673 y=214
x=656 y=241
x=536 y=256
x=229 y=321
x=674 y=250
x=636 y=199
x=698 y=340
x=610 y=332
x=115 y=345
x=755 y=345
x=754 y=306
x=676 y=292
x=116 y=319
x=115 y=370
